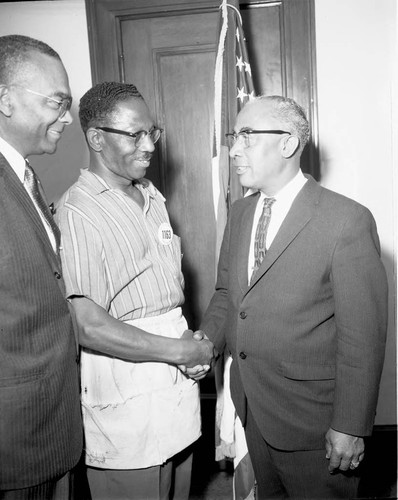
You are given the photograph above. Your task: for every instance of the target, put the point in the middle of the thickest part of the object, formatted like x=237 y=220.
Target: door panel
x=167 y=49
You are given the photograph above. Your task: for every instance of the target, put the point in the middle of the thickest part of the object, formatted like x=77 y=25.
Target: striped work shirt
x=124 y=258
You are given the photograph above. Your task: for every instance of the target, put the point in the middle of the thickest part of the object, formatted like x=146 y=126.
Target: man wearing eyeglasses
x=301 y=305
x=122 y=264
x=40 y=417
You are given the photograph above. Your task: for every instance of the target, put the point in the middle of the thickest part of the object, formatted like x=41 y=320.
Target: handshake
x=199 y=353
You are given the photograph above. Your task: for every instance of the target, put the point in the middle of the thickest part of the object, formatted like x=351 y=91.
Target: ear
x=94 y=139
x=5 y=101
x=290 y=146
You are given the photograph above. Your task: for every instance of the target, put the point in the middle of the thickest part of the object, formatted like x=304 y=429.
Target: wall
x=356 y=47
x=356 y=44
x=61 y=24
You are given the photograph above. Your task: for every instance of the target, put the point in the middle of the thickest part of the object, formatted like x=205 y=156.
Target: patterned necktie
x=32 y=185
x=261 y=234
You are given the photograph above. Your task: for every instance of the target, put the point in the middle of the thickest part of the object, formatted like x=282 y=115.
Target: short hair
x=15 y=53
x=291 y=116
x=99 y=103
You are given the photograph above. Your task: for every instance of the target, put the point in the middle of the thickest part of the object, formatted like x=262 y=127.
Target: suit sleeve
x=214 y=320
x=360 y=295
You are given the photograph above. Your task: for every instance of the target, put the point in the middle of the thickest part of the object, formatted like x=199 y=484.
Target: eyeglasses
x=62 y=106
x=139 y=136
x=248 y=132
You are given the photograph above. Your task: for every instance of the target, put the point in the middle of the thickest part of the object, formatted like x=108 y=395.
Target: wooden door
x=167 y=49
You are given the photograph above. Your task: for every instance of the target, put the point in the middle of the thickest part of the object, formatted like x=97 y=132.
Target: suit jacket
x=40 y=423
x=307 y=336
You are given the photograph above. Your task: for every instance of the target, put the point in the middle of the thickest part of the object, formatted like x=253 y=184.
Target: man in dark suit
x=40 y=423
x=301 y=305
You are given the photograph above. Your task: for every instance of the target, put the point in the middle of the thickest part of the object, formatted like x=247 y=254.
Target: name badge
x=165 y=233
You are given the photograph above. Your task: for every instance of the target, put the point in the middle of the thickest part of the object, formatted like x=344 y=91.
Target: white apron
x=138 y=415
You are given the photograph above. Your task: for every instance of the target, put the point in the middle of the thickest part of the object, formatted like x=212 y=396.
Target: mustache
x=145 y=157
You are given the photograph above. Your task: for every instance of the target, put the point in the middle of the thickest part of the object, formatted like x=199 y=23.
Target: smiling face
x=33 y=125
x=120 y=160
x=264 y=164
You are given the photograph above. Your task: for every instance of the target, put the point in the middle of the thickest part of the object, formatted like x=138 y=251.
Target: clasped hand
x=198 y=371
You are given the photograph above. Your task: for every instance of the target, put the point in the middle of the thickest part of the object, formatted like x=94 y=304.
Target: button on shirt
x=283 y=201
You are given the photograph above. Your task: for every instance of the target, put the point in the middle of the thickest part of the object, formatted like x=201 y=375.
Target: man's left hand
x=343 y=451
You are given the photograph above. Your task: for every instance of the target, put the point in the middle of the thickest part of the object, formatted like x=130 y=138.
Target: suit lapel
x=245 y=228
x=14 y=186
x=297 y=218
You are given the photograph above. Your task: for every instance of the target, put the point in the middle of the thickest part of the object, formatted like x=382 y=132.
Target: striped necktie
x=261 y=234
x=33 y=186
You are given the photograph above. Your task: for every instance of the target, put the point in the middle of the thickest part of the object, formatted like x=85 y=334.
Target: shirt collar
x=290 y=190
x=99 y=185
x=15 y=159
x=146 y=186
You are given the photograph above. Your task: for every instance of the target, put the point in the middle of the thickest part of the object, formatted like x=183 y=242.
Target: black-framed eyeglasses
x=139 y=136
x=61 y=105
x=248 y=132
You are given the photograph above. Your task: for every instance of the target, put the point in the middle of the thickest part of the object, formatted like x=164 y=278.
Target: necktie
x=33 y=186
x=261 y=234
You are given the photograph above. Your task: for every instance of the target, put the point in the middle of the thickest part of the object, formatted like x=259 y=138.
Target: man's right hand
x=196 y=372
x=198 y=350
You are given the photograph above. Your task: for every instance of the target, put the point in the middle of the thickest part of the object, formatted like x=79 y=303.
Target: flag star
x=240 y=63
x=241 y=94
x=237 y=35
x=248 y=68
x=251 y=95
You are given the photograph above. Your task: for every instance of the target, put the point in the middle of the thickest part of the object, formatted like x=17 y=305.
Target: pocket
x=23 y=401
x=20 y=381
x=298 y=371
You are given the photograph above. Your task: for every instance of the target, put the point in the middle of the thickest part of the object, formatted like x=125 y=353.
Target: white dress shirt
x=17 y=162
x=283 y=201
x=15 y=159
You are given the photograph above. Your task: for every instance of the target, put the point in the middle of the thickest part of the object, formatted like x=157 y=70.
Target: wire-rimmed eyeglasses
x=154 y=133
x=246 y=134
x=62 y=105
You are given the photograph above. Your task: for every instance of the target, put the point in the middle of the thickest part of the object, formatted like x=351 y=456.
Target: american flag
x=233 y=87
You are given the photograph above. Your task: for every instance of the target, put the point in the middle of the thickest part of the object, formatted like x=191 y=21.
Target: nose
x=147 y=144
x=236 y=149
x=67 y=118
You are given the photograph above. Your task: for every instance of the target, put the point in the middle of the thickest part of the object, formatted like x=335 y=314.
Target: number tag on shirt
x=165 y=233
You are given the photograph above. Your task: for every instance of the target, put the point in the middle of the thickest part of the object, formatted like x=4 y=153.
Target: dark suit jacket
x=308 y=336
x=40 y=425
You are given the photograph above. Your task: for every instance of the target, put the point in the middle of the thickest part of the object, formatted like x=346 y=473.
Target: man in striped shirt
x=122 y=268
